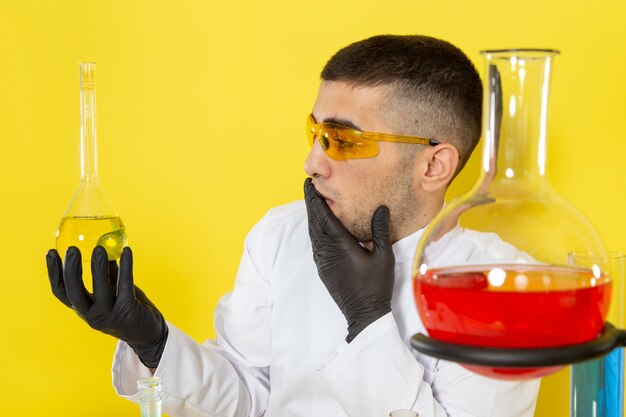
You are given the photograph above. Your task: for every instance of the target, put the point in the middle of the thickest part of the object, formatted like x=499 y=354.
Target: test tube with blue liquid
x=597 y=386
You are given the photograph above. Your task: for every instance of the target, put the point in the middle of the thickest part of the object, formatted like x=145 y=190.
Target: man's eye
x=342 y=143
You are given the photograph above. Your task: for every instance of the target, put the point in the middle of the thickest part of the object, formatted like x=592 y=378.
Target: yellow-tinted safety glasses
x=342 y=142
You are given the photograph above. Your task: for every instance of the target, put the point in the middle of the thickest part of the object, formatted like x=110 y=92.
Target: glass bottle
x=90 y=219
x=403 y=413
x=597 y=385
x=513 y=287
x=150 y=396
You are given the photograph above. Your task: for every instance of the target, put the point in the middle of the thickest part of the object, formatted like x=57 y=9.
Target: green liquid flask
x=90 y=219
x=150 y=396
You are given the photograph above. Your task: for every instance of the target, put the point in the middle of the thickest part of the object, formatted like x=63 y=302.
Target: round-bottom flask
x=509 y=283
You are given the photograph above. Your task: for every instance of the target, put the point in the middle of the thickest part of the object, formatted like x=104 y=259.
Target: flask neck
x=88 y=142
x=515 y=114
x=150 y=396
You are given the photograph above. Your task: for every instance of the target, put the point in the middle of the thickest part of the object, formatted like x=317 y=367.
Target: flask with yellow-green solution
x=90 y=219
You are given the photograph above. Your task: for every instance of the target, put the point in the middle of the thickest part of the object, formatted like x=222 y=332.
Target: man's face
x=354 y=188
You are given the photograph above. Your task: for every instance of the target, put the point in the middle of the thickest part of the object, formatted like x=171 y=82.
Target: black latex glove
x=359 y=280
x=117 y=307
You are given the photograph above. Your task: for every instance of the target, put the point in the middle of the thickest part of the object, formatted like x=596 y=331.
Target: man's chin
x=358 y=231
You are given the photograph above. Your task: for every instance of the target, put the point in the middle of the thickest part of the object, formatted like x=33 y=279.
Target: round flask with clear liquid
x=90 y=220
x=512 y=287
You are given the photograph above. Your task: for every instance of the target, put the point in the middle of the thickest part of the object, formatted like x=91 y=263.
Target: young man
x=321 y=314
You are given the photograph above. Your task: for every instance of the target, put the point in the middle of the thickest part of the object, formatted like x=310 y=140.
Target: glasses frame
x=316 y=131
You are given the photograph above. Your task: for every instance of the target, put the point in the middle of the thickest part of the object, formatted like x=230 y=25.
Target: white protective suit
x=280 y=348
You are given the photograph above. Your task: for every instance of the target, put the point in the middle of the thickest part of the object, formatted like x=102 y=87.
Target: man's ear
x=441 y=164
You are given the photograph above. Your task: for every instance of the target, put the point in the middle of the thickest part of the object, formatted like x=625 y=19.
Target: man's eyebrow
x=342 y=122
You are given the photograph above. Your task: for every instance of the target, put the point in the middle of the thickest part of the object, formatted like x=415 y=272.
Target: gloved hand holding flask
x=359 y=280
x=117 y=307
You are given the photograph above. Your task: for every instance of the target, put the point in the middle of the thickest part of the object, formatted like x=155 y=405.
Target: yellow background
x=201 y=107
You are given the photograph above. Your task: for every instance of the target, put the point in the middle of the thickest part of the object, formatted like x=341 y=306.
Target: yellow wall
x=201 y=107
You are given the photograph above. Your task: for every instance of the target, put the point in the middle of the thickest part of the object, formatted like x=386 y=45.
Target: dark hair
x=435 y=90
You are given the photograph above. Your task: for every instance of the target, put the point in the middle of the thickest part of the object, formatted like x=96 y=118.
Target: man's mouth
x=328 y=200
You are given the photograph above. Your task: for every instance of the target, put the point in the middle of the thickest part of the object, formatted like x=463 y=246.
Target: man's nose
x=317 y=163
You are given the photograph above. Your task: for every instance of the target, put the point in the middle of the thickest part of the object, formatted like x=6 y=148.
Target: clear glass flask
x=90 y=219
x=512 y=287
x=150 y=396
x=597 y=385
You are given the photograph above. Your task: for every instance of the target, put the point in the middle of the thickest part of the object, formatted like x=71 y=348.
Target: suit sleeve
x=377 y=373
x=225 y=377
